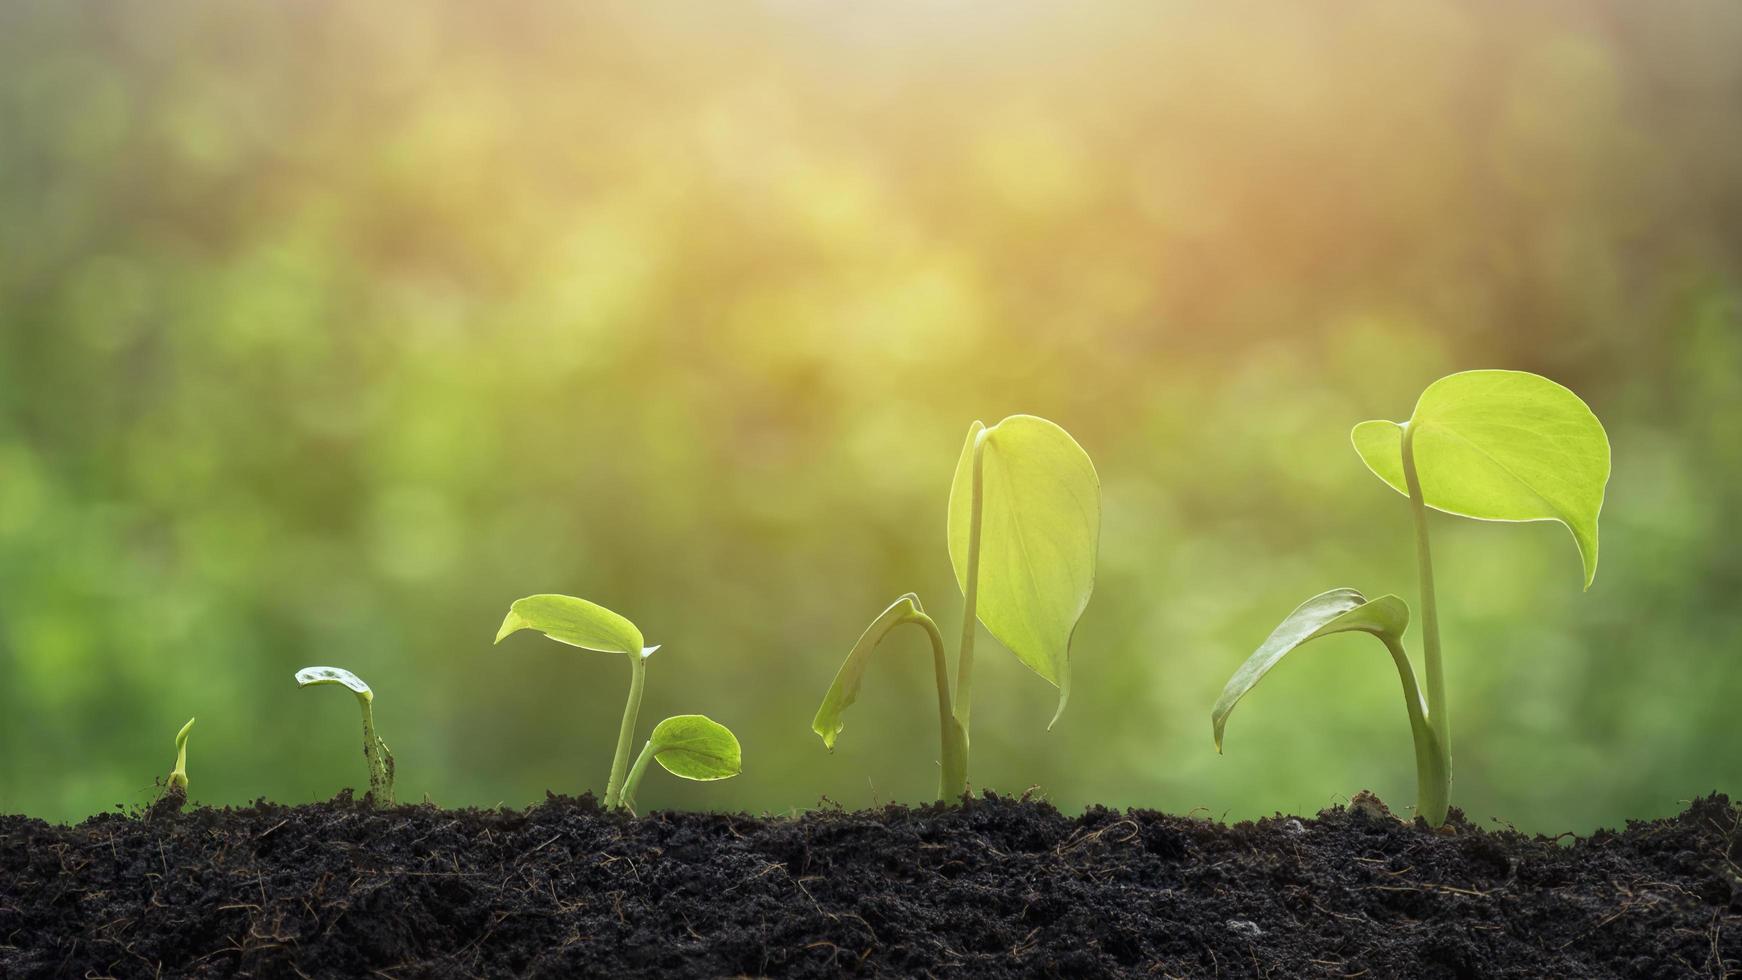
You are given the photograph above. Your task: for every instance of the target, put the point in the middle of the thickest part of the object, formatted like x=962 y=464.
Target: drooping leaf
x=845 y=689
x=1040 y=529
x=696 y=747
x=1500 y=446
x=310 y=676
x=1336 y=611
x=576 y=622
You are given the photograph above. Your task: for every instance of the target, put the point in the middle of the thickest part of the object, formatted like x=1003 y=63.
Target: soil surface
x=999 y=887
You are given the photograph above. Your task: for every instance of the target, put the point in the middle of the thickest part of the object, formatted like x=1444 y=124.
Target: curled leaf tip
x=1064 y=697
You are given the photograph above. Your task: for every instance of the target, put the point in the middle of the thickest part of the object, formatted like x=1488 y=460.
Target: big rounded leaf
x=1500 y=446
x=1040 y=528
x=576 y=622
x=696 y=747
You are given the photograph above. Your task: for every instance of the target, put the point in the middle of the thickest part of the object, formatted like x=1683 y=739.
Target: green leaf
x=1039 y=530
x=1336 y=611
x=310 y=676
x=576 y=622
x=845 y=690
x=181 y=737
x=1500 y=446
x=696 y=747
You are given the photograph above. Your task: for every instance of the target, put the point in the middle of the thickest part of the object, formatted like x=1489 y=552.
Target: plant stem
x=633 y=783
x=376 y=756
x=1437 y=717
x=971 y=592
x=626 y=733
x=1432 y=777
x=952 y=738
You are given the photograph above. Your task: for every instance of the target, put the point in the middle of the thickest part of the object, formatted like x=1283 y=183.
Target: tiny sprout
x=178 y=777
x=175 y=790
x=375 y=753
x=689 y=746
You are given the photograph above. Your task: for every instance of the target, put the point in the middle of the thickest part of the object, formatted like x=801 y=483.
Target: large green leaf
x=1500 y=446
x=696 y=747
x=1039 y=530
x=845 y=690
x=1336 y=611
x=576 y=622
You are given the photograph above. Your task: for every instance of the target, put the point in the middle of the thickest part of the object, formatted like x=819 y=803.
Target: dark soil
x=997 y=888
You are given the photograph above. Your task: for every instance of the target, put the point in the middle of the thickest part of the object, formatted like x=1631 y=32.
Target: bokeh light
x=327 y=330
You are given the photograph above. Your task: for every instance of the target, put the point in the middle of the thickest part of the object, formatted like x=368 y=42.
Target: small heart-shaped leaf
x=1336 y=611
x=1040 y=528
x=696 y=747
x=310 y=676
x=576 y=622
x=1500 y=446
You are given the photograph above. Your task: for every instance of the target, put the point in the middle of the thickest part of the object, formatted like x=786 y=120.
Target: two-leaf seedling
x=375 y=754
x=1492 y=445
x=690 y=746
x=1024 y=526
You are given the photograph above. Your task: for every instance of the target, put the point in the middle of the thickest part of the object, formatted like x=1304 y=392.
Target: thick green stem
x=1432 y=775
x=633 y=783
x=952 y=739
x=626 y=733
x=971 y=592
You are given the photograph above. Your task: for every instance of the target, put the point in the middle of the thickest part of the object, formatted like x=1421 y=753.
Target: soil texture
x=998 y=887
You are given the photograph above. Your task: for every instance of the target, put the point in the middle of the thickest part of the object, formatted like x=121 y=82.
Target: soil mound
x=999 y=887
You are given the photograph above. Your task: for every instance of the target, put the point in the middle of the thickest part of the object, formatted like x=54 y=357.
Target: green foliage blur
x=328 y=329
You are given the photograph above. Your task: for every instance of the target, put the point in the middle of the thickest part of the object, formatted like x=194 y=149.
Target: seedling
x=1491 y=445
x=178 y=777
x=375 y=754
x=1024 y=525
x=691 y=746
x=175 y=788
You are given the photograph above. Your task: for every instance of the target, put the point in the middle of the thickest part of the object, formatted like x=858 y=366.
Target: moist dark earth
x=997 y=887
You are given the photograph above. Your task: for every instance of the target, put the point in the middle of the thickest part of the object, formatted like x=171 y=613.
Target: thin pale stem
x=953 y=742
x=971 y=588
x=376 y=756
x=626 y=733
x=1437 y=715
x=1432 y=776
x=633 y=783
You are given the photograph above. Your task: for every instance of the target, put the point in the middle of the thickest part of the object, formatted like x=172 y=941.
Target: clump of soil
x=999 y=887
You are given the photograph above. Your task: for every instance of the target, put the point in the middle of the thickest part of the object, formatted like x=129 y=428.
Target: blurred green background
x=327 y=330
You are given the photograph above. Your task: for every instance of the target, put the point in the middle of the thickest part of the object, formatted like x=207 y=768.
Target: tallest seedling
x=1492 y=445
x=1024 y=526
